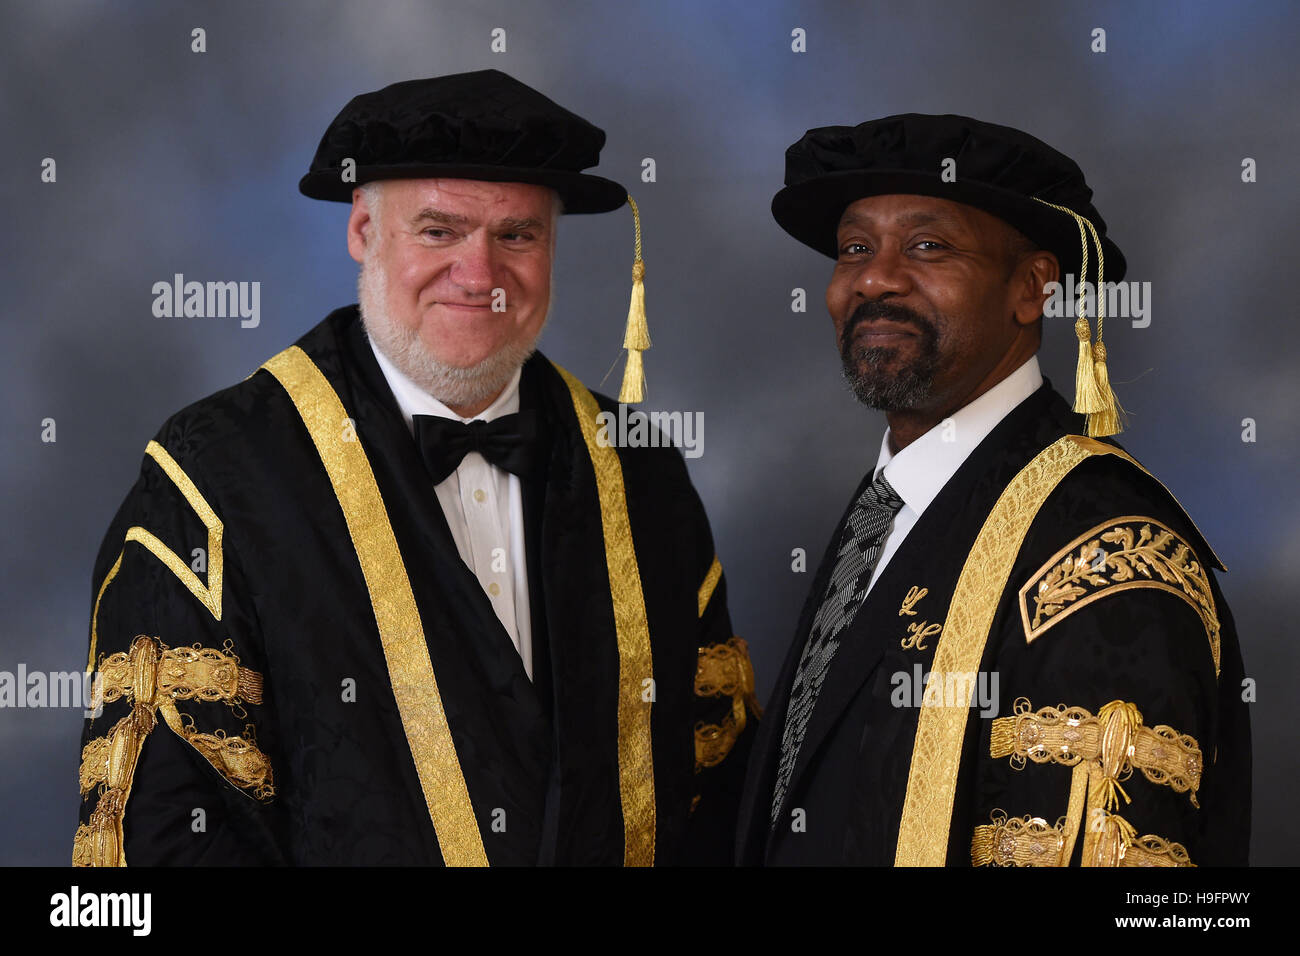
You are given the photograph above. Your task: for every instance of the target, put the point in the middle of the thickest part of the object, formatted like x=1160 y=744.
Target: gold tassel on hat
x=1093 y=395
x=1106 y=419
x=637 y=337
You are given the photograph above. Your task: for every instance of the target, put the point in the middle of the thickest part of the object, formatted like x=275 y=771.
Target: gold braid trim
x=708 y=585
x=724 y=670
x=1031 y=841
x=1018 y=841
x=1118 y=555
x=209 y=594
x=1071 y=735
x=147 y=676
x=187 y=673
x=1113 y=841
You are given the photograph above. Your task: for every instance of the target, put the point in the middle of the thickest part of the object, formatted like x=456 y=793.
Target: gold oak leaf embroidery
x=1124 y=553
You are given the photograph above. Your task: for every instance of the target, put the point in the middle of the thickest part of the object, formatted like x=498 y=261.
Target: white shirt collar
x=919 y=472
x=413 y=400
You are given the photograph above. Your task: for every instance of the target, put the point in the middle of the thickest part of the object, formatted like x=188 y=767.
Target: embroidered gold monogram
x=914 y=594
x=1123 y=553
x=917 y=634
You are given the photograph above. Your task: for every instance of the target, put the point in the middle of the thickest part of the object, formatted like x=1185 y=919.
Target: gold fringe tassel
x=637 y=337
x=1093 y=395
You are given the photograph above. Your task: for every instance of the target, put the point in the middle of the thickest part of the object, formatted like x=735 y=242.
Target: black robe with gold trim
x=297 y=666
x=1057 y=565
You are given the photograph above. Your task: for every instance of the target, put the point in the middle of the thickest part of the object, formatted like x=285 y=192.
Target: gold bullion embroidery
x=238 y=759
x=1018 y=841
x=936 y=753
x=1113 y=841
x=710 y=582
x=1129 y=552
x=397 y=617
x=1072 y=735
x=209 y=595
x=914 y=594
x=1031 y=841
x=141 y=676
x=724 y=670
x=101 y=842
x=918 y=632
x=632 y=633
x=185 y=673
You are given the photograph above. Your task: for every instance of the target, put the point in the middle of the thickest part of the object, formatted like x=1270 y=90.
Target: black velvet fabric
x=998 y=169
x=480 y=125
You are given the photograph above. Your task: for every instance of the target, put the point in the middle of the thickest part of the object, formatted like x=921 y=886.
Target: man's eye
x=853 y=249
x=931 y=243
x=434 y=232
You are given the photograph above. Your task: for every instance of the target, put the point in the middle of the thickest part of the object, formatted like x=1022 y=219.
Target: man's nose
x=885 y=273
x=475 y=267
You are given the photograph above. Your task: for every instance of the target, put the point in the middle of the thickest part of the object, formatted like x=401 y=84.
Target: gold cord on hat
x=1093 y=395
x=637 y=337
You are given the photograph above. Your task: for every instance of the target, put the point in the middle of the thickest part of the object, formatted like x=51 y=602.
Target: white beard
x=452 y=385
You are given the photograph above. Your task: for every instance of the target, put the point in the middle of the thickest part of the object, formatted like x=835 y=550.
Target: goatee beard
x=867 y=369
x=452 y=385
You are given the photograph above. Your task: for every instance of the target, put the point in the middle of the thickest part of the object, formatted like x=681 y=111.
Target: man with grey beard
x=1008 y=586
x=437 y=621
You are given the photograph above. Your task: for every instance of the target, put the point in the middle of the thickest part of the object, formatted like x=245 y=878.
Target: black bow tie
x=512 y=442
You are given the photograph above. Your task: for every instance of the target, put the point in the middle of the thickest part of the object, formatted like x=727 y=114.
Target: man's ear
x=1029 y=283
x=360 y=226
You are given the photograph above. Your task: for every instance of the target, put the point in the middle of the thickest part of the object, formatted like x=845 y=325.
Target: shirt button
x=480 y=495
x=494 y=589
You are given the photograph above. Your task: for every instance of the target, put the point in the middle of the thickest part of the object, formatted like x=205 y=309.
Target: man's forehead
x=468 y=198
x=913 y=210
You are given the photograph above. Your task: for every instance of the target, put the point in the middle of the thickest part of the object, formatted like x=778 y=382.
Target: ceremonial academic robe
x=298 y=667
x=1055 y=578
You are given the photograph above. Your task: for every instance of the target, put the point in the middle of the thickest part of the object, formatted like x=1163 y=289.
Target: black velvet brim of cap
x=580 y=192
x=810 y=211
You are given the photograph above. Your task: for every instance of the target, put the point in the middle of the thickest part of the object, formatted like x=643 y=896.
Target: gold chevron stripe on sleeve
x=209 y=594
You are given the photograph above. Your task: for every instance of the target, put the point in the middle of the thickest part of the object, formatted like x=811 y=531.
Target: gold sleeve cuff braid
x=1032 y=841
x=1069 y=735
x=1119 y=555
x=724 y=670
x=1104 y=750
x=152 y=677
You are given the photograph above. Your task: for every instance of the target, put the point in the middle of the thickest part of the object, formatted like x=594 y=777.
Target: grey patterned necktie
x=860 y=545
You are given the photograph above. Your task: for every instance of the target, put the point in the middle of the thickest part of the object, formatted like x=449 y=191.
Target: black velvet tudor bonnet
x=482 y=125
x=1003 y=171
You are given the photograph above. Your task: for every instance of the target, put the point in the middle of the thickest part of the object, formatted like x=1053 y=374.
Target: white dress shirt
x=484 y=507
x=919 y=472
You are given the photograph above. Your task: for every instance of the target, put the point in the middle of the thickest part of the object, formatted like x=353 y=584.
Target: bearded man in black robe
x=396 y=597
x=1015 y=651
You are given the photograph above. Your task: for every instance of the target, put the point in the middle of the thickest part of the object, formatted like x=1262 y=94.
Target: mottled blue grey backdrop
x=171 y=161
